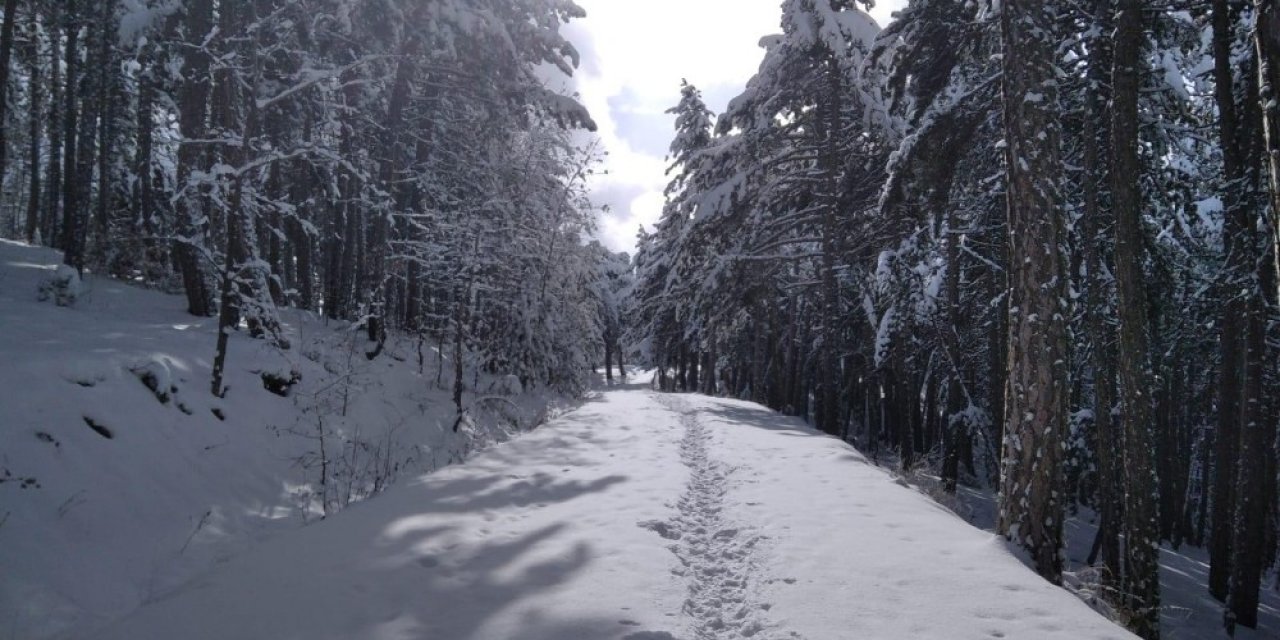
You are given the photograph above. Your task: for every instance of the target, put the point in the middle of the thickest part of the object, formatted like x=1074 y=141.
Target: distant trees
x=1081 y=320
x=399 y=165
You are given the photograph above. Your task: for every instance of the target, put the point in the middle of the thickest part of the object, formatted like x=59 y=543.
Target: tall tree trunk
x=1230 y=380
x=1142 y=526
x=1250 y=545
x=459 y=325
x=36 y=103
x=608 y=358
x=145 y=216
x=6 y=55
x=53 y=199
x=72 y=218
x=622 y=371
x=1031 y=509
x=955 y=427
x=1268 y=45
x=86 y=136
x=231 y=296
x=193 y=109
x=827 y=411
x=376 y=274
x=1097 y=136
x=1253 y=506
x=1267 y=42
x=106 y=110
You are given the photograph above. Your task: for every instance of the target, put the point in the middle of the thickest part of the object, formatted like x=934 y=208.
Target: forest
x=1028 y=246
x=401 y=165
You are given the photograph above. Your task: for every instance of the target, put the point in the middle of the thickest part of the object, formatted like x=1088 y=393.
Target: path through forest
x=639 y=516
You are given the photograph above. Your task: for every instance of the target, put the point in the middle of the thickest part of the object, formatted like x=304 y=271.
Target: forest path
x=715 y=549
x=751 y=525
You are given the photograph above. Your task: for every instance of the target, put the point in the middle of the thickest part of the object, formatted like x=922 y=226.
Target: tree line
x=397 y=164
x=1029 y=244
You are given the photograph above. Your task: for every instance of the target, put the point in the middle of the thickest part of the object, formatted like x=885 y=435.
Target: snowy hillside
x=122 y=476
x=641 y=517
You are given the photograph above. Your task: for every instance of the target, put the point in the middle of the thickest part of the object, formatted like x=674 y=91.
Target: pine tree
x=1031 y=510
x=1142 y=532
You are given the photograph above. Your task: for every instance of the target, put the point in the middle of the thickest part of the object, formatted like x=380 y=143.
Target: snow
x=119 y=482
x=638 y=516
x=884 y=335
x=1188 y=612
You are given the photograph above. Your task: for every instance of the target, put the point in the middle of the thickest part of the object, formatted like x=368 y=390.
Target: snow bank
x=122 y=477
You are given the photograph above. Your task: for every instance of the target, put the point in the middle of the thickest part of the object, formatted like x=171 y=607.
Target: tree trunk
x=53 y=199
x=6 y=55
x=1233 y=328
x=144 y=191
x=1142 y=526
x=1259 y=438
x=622 y=372
x=828 y=134
x=458 y=323
x=33 y=131
x=608 y=358
x=72 y=220
x=106 y=109
x=1097 y=136
x=955 y=427
x=1253 y=506
x=193 y=109
x=1031 y=509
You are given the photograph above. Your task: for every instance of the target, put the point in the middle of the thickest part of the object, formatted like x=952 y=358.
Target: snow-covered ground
x=1188 y=612
x=113 y=494
x=641 y=517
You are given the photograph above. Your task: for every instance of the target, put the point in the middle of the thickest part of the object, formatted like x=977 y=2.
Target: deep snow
x=640 y=517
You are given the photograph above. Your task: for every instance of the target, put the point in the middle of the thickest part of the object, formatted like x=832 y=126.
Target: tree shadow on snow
x=463 y=556
x=442 y=584
x=762 y=418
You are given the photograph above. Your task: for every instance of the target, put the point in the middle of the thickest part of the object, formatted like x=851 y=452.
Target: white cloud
x=635 y=55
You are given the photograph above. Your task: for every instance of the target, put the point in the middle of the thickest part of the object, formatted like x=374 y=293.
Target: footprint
x=663 y=529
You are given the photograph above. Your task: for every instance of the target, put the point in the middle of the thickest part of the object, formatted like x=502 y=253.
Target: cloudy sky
x=634 y=55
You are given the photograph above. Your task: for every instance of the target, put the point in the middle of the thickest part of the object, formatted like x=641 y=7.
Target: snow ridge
x=715 y=554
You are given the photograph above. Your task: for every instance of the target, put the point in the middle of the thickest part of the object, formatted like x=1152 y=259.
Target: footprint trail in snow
x=715 y=553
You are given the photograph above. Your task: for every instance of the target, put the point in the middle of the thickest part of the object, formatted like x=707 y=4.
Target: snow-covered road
x=639 y=516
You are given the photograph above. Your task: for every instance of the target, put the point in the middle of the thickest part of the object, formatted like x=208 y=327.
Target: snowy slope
x=638 y=517
x=1188 y=612
x=91 y=527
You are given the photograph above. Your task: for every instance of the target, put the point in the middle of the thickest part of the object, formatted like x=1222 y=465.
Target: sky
x=634 y=55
